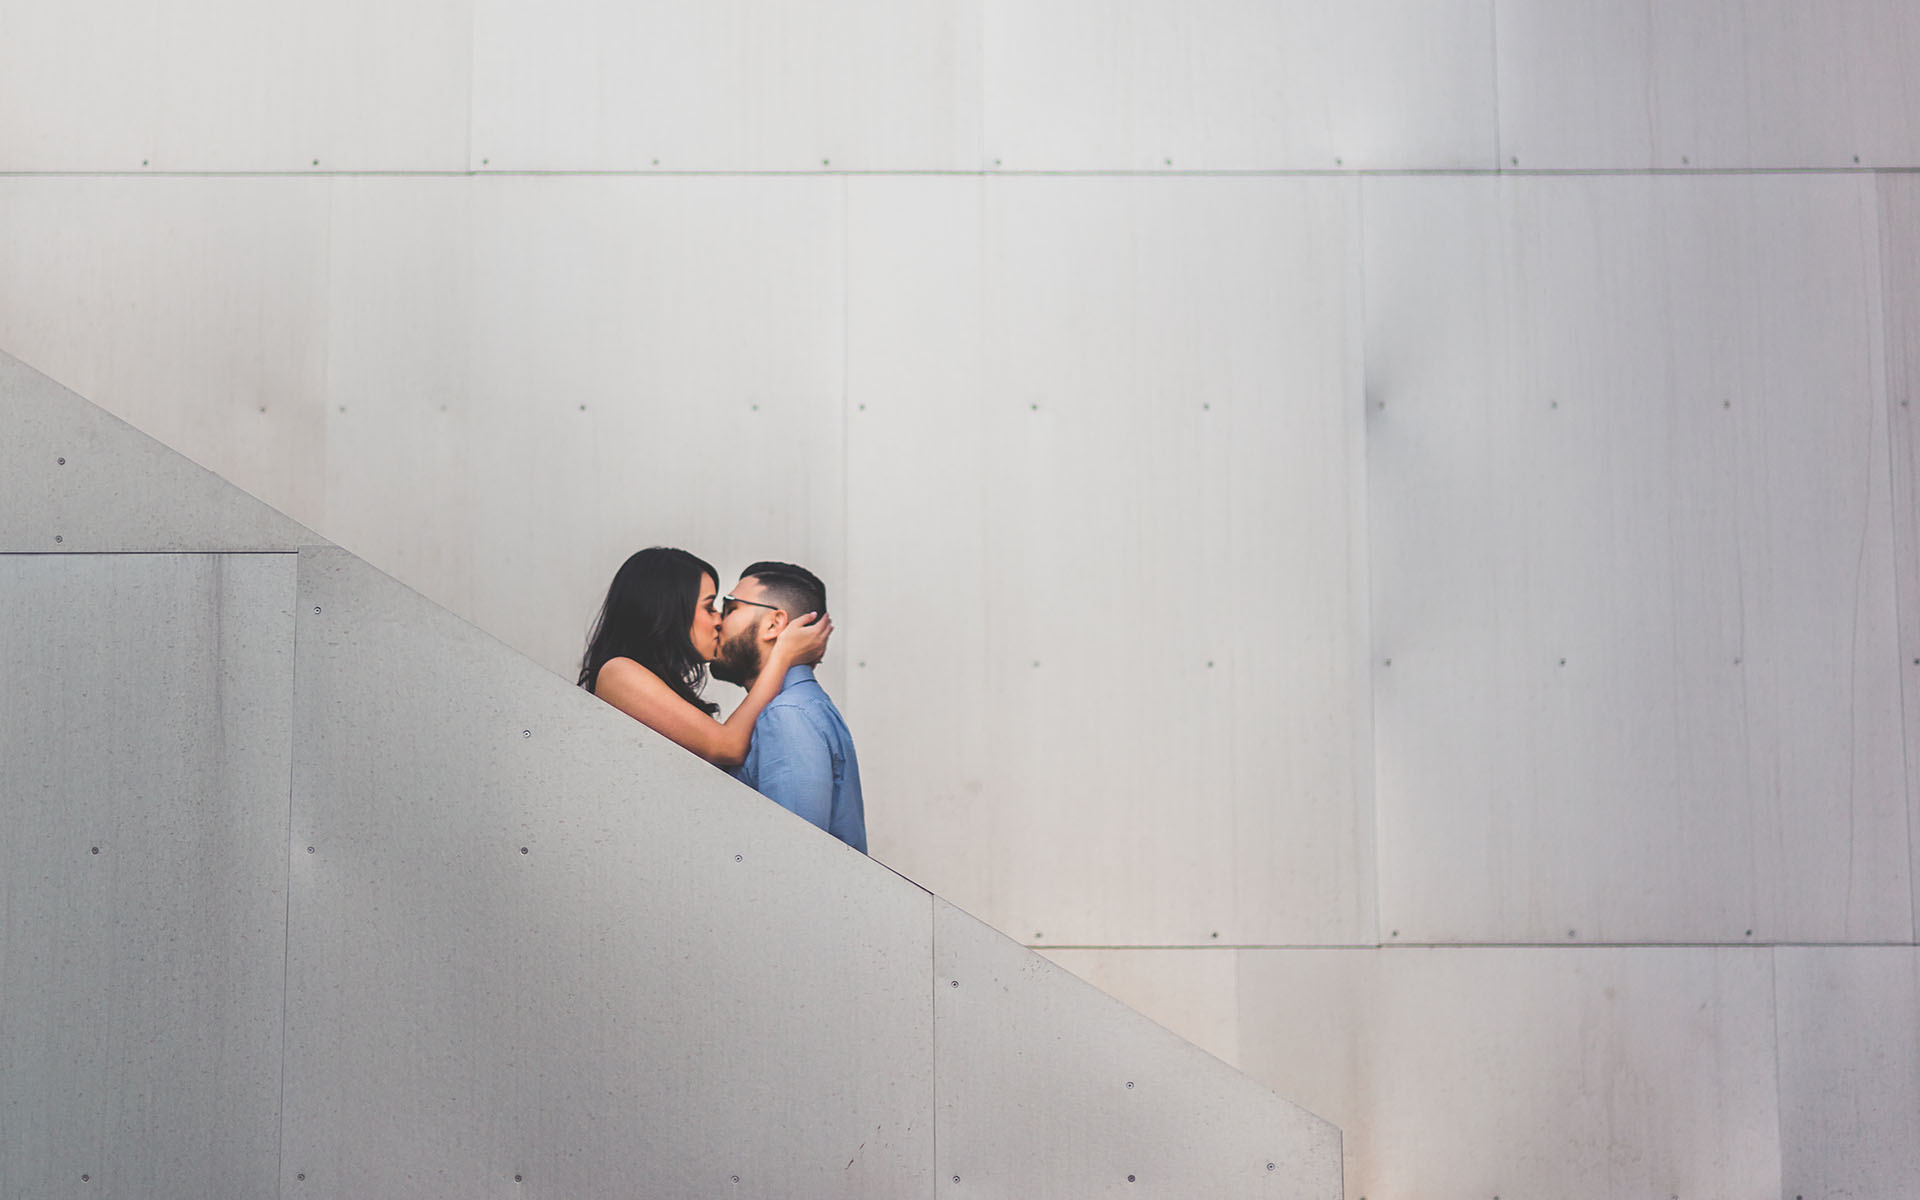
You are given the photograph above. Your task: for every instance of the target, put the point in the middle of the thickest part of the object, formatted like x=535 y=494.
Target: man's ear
x=776 y=621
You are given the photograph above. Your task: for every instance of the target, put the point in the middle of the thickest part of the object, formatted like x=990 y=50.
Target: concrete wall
x=313 y=889
x=1322 y=501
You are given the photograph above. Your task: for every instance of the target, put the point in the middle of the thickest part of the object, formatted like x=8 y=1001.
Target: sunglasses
x=728 y=603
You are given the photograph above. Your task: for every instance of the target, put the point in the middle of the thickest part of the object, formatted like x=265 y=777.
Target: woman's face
x=705 y=634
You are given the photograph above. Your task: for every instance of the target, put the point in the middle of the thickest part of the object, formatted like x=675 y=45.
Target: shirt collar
x=797 y=675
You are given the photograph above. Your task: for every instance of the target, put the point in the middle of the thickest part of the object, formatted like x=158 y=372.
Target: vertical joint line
x=286 y=929
x=1885 y=260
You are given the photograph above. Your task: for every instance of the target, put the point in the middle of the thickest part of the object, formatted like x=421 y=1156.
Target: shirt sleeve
x=796 y=766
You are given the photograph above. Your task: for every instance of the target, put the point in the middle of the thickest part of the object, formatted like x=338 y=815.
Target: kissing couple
x=665 y=624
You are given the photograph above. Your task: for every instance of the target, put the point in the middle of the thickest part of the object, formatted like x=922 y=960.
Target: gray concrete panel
x=529 y=938
x=1708 y=83
x=145 y=723
x=919 y=594
x=1047 y=1087
x=1192 y=990
x=1590 y=1073
x=653 y=361
x=82 y=481
x=727 y=85
x=1849 y=1045
x=1091 y=755
x=1637 y=672
x=192 y=307
x=399 y=426
x=1900 y=323
x=1148 y=85
x=202 y=85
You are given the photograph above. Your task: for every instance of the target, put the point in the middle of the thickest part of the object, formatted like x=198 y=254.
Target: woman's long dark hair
x=648 y=611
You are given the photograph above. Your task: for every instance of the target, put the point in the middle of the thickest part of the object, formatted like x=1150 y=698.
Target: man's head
x=768 y=596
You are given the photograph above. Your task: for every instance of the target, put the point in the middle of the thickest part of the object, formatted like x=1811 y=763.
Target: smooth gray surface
x=192 y=307
x=118 y=490
x=1149 y=85
x=1580 y=1073
x=1192 y=990
x=654 y=361
x=1849 y=1046
x=727 y=85
x=401 y=429
x=1071 y=427
x=1637 y=672
x=675 y=984
x=205 y=85
x=145 y=712
x=1900 y=319
x=1048 y=1087
x=1718 y=84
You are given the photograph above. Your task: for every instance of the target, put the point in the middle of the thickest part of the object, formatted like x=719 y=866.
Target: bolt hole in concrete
x=61 y=461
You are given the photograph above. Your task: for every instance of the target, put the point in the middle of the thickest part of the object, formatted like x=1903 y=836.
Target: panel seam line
x=286 y=928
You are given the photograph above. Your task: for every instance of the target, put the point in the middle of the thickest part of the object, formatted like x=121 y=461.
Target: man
x=801 y=756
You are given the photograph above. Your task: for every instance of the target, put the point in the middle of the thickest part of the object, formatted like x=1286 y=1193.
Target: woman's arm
x=646 y=698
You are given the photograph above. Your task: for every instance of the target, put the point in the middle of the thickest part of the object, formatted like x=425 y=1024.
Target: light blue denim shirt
x=802 y=759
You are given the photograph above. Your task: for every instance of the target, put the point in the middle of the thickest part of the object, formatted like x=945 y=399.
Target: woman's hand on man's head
x=804 y=641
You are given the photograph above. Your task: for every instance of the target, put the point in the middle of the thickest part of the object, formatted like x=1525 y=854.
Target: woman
x=650 y=647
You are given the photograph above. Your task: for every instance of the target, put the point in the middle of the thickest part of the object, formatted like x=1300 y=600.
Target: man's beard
x=739 y=659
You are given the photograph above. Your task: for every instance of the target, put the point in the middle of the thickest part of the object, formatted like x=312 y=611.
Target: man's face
x=742 y=634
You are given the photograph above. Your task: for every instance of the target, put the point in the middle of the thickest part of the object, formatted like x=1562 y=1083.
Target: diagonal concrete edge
x=82 y=481
x=528 y=940
x=1050 y=1087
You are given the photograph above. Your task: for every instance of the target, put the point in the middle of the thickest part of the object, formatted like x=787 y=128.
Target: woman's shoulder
x=623 y=671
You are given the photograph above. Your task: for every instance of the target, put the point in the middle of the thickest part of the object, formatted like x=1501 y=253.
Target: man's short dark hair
x=795 y=589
